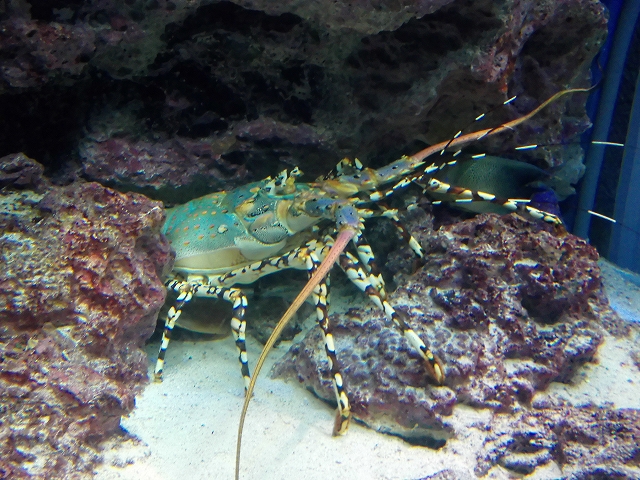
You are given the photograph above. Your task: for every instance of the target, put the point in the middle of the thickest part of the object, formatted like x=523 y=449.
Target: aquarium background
x=608 y=185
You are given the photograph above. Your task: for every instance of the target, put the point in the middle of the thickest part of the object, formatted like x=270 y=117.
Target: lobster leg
x=320 y=297
x=373 y=285
x=408 y=238
x=238 y=324
x=368 y=262
x=186 y=290
x=364 y=251
x=351 y=266
x=464 y=195
x=185 y=293
x=404 y=233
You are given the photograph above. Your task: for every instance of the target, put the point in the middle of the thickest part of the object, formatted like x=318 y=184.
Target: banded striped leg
x=238 y=324
x=321 y=299
x=296 y=258
x=356 y=274
x=365 y=254
x=408 y=238
x=186 y=291
x=404 y=233
x=368 y=262
x=465 y=195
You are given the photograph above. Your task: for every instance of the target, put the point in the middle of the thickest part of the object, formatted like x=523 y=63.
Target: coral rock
x=373 y=80
x=37 y=52
x=505 y=302
x=20 y=171
x=589 y=442
x=80 y=290
x=169 y=164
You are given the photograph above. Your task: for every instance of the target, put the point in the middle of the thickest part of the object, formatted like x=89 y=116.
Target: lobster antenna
x=505 y=126
x=593 y=142
x=609 y=144
x=343 y=239
x=474 y=136
x=477 y=119
x=604 y=217
x=479 y=156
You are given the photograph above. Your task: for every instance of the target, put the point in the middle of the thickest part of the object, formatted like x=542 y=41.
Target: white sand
x=186 y=426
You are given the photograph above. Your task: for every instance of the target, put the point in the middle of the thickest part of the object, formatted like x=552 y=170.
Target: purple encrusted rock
x=80 y=290
x=587 y=442
x=509 y=305
x=178 y=162
x=19 y=171
x=36 y=53
x=221 y=93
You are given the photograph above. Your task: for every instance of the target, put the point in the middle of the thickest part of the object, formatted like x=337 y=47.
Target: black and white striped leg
x=186 y=291
x=238 y=324
x=365 y=253
x=356 y=274
x=464 y=195
x=321 y=299
x=404 y=233
x=368 y=262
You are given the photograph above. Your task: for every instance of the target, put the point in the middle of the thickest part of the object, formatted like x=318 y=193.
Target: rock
x=506 y=303
x=80 y=290
x=211 y=94
x=20 y=171
x=38 y=52
x=589 y=442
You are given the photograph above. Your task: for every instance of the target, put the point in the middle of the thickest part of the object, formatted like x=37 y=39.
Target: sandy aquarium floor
x=185 y=428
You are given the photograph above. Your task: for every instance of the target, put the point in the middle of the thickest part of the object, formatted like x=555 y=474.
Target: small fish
x=503 y=177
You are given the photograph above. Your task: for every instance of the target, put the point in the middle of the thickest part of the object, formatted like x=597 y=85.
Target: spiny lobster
x=231 y=238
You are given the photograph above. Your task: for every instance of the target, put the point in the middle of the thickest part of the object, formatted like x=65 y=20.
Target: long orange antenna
x=343 y=239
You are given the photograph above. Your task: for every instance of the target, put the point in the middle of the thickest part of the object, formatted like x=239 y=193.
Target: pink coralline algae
x=182 y=163
x=80 y=289
x=509 y=305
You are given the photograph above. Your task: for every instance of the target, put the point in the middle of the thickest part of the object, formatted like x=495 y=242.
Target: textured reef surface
x=589 y=442
x=80 y=290
x=510 y=306
x=176 y=99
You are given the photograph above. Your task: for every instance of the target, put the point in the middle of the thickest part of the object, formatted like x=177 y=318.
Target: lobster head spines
x=270 y=215
x=283 y=184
